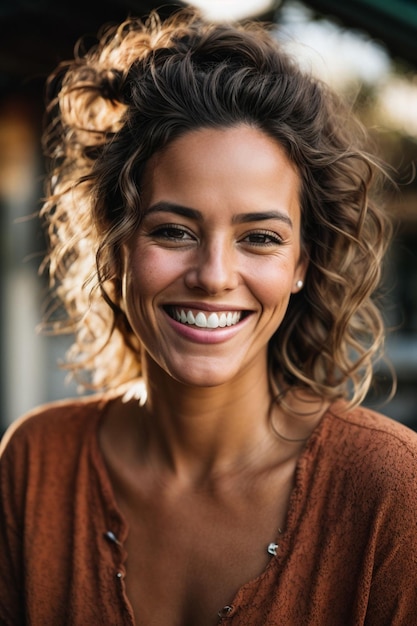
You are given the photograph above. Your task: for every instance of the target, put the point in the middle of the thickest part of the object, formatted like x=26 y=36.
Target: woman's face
x=209 y=274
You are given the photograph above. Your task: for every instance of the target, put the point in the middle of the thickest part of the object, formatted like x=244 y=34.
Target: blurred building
x=374 y=44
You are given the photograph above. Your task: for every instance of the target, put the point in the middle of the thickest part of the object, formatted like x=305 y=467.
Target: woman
x=215 y=247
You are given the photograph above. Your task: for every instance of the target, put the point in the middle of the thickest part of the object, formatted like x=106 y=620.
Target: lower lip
x=205 y=336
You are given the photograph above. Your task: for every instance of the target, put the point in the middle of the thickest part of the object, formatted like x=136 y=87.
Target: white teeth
x=222 y=320
x=214 y=320
x=200 y=320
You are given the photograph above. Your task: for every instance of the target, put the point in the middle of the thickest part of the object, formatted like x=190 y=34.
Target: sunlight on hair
x=232 y=9
x=136 y=391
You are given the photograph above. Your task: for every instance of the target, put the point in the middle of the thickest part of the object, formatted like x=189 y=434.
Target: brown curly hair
x=142 y=86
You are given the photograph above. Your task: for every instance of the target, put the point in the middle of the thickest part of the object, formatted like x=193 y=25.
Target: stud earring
x=299 y=284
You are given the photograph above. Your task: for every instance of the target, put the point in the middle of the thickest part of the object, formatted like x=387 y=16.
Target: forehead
x=243 y=143
x=238 y=167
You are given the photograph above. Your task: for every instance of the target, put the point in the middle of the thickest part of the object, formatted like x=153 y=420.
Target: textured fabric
x=347 y=556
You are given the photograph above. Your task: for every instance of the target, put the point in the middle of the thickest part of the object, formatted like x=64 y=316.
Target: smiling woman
x=216 y=248
x=216 y=256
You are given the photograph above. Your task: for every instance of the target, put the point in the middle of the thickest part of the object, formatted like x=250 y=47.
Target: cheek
x=145 y=272
x=272 y=285
x=149 y=272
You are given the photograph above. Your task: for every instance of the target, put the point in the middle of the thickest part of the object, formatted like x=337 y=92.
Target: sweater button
x=111 y=537
x=226 y=611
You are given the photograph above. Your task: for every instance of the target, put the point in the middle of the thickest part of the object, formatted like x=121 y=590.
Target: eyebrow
x=241 y=218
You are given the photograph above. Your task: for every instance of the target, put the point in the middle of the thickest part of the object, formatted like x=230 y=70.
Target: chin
x=203 y=378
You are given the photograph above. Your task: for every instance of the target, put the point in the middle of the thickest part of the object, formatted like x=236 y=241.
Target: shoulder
x=45 y=453
x=372 y=449
x=46 y=426
x=362 y=426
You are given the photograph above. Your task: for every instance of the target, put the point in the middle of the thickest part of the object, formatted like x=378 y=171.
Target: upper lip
x=205 y=306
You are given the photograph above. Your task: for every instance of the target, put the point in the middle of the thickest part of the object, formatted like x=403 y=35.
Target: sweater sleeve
x=393 y=591
x=12 y=495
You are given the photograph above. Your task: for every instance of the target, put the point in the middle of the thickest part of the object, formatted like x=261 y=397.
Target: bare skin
x=200 y=518
x=198 y=472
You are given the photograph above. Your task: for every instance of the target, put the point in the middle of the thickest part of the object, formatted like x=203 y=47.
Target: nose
x=214 y=268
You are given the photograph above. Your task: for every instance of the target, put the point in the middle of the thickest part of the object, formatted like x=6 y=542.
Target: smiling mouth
x=204 y=319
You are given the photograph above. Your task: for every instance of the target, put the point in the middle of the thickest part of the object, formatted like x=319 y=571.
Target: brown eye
x=262 y=239
x=171 y=233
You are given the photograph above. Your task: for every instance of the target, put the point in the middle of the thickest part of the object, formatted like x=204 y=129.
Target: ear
x=300 y=272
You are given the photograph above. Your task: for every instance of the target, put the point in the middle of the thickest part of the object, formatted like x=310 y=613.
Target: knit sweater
x=346 y=557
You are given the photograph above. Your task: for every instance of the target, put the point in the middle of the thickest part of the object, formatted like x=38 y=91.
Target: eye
x=172 y=233
x=262 y=238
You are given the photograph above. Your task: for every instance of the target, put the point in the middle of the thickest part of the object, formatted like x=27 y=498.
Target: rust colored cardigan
x=347 y=557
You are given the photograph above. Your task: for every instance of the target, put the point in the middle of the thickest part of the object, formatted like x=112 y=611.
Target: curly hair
x=142 y=86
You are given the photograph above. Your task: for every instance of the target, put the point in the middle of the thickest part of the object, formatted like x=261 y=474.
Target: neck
x=198 y=432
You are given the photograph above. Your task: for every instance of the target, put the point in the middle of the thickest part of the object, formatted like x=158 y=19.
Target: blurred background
x=366 y=49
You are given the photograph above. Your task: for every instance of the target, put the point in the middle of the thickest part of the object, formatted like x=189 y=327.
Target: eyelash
x=162 y=232
x=274 y=239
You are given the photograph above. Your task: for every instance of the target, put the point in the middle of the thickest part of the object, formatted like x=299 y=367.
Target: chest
x=188 y=557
